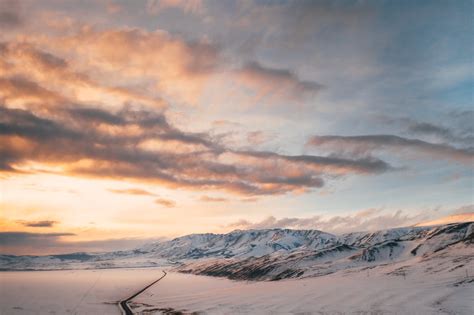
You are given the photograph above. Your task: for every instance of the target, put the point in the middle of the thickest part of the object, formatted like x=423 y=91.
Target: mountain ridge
x=273 y=254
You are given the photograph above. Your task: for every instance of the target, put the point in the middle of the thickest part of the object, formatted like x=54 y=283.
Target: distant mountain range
x=273 y=254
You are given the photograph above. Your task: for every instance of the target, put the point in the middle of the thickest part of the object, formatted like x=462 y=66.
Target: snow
x=420 y=245
x=441 y=282
x=414 y=270
x=70 y=291
x=365 y=292
x=378 y=290
x=277 y=244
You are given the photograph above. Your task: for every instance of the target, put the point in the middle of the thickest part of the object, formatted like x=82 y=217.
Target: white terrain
x=413 y=270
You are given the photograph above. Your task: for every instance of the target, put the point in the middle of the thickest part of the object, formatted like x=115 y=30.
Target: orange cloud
x=212 y=199
x=155 y=61
x=132 y=191
x=83 y=141
x=31 y=76
x=155 y=68
x=165 y=202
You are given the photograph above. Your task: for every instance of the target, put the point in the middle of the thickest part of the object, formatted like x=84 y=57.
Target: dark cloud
x=43 y=58
x=455 y=128
x=427 y=128
x=363 y=165
x=368 y=143
x=10 y=16
x=443 y=133
x=25 y=243
x=95 y=115
x=19 y=87
x=25 y=124
x=43 y=223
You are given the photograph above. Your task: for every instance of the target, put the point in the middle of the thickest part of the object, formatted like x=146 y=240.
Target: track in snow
x=123 y=305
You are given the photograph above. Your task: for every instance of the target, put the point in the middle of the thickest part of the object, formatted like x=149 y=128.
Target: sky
x=124 y=122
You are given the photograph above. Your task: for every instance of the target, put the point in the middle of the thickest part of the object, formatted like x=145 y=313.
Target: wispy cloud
x=165 y=202
x=213 y=199
x=275 y=83
x=365 y=220
x=395 y=144
x=454 y=128
x=42 y=223
x=189 y=6
x=25 y=243
x=133 y=191
x=10 y=14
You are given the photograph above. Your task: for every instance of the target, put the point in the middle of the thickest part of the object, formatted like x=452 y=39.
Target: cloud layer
x=365 y=220
x=40 y=224
x=27 y=243
x=142 y=145
x=363 y=145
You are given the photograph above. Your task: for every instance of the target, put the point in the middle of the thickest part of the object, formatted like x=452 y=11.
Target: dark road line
x=124 y=303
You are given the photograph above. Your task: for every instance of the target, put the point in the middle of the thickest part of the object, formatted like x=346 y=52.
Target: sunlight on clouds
x=116 y=121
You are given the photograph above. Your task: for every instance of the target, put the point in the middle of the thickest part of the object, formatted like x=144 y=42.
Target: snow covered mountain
x=241 y=244
x=454 y=243
x=273 y=254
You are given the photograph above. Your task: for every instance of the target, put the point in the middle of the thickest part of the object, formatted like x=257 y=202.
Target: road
x=123 y=305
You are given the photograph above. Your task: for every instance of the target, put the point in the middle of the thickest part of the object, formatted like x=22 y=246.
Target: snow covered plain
x=70 y=291
x=360 y=291
x=356 y=292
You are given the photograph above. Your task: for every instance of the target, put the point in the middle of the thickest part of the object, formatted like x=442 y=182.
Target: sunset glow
x=123 y=122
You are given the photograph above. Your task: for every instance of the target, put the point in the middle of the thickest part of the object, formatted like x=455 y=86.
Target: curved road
x=124 y=303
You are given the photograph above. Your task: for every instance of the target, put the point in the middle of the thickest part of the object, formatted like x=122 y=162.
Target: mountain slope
x=241 y=244
x=454 y=243
x=273 y=254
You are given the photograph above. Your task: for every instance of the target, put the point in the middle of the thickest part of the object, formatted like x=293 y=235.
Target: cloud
x=256 y=137
x=142 y=145
x=10 y=14
x=43 y=223
x=157 y=68
x=176 y=68
x=365 y=220
x=25 y=243
x=455 y=128
x=443 y=133
x=133 y=191
x=16 y=88
x=463 y=209
x=395 y=144
x=189 y=6
x=427 y=128
x=212 y=199
x=327 y=164
x=165 y=202
x=266 y=82
x=33 y=76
